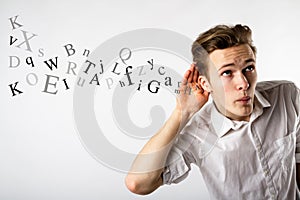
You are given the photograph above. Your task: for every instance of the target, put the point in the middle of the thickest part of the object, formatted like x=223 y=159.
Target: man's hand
x=192 y=96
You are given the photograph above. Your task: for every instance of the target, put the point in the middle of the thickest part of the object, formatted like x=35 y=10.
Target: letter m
x=177 y=91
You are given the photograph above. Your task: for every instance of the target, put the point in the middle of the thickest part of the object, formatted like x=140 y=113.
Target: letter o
x=29 y=81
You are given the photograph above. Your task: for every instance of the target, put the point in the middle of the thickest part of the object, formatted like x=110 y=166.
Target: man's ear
x=204 y=83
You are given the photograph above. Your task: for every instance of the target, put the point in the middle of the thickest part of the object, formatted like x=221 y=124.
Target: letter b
x=70 y=50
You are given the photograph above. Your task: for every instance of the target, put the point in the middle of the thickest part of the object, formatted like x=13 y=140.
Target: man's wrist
x=182 y=116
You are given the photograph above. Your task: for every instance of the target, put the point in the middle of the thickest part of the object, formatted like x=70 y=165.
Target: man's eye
x=226 y=73
x=249 y=68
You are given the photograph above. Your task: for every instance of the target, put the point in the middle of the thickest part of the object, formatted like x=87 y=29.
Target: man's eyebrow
x=249 y=60
x=232 y=64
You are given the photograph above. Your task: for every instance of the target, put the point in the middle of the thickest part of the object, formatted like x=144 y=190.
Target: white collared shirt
x=244 y=160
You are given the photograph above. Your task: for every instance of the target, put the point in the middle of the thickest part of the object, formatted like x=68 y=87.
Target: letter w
x=52 y=63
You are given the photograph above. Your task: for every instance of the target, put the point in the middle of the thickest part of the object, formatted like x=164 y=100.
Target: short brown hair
x=219 y=37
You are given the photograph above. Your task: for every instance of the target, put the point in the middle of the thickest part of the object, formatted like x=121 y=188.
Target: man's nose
x=242 y=82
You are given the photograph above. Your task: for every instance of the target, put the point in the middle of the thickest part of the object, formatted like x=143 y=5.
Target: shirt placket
x=264 y=164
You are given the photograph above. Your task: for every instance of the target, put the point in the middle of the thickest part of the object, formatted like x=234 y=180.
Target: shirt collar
x=222 y=124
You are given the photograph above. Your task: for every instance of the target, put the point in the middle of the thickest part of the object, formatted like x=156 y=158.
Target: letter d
x=11 y=61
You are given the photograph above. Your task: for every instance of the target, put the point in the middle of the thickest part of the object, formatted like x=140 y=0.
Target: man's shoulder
x=202 y=118
x=277 y=92
x=275 y=84
x=204 y=113
x=271 y=89
x=200 y=124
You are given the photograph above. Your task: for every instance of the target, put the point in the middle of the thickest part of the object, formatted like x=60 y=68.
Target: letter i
x=139 y=85
x=101 y=64
x=65 y=82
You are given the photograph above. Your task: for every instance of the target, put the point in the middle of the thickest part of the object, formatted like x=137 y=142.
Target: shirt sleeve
x=297 y=128
x=297 y=155
x=181 y=156
x=178 y=170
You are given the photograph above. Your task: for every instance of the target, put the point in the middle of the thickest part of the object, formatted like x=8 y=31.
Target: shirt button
x=259 y=148
x=266 y=172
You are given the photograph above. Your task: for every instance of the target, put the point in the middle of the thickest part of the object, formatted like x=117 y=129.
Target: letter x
x=26 y=40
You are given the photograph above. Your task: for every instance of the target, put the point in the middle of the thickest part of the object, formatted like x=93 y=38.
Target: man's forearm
x=145 y=174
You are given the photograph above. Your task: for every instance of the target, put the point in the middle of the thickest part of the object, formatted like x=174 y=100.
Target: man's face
x=233 y=77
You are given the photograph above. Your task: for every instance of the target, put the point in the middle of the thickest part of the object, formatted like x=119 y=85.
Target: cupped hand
x=192 y=96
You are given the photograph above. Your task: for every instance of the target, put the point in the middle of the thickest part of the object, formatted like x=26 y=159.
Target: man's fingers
x=190 y=79
x=191 y=75
x=196 y=75
x=186 y=77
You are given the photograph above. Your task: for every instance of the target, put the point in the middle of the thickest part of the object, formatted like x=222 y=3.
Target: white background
x=41 y=154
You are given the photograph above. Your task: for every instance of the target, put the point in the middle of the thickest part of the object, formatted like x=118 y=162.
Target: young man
x=246 y=142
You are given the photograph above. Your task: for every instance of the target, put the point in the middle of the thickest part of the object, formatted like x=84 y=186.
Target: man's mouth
x=244 y=100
